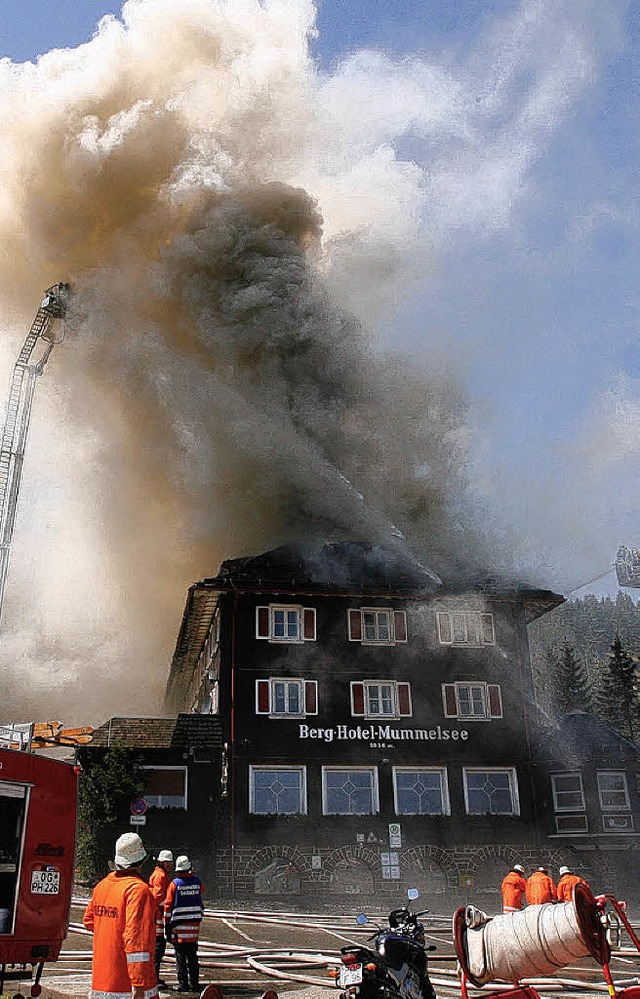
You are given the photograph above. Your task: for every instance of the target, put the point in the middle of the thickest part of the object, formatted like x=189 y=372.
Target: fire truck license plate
x=45 y=882
x=351 y=976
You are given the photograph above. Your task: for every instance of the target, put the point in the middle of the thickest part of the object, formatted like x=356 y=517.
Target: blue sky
x=538 y=314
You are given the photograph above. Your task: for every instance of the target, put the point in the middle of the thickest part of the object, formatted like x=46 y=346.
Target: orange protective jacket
x=122 y=917
x=159 y=884
x=540 y=889
x=513 y=888
x=566 y=884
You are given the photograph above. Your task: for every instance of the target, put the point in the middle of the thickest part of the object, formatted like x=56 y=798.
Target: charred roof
x=342 y=566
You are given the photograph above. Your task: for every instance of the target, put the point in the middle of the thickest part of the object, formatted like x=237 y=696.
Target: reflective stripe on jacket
x=566 y=885
x=513 y=888
x=159 y=884
x=540 y=889
x=121 y=915
x=183 y=907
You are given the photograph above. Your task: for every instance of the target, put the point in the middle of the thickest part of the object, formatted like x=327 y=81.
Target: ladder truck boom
x=31 y=362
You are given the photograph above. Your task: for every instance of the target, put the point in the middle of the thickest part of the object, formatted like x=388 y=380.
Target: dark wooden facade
x=372 y=728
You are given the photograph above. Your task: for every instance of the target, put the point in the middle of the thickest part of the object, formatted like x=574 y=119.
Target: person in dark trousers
x=182 y=917
x=159 y=882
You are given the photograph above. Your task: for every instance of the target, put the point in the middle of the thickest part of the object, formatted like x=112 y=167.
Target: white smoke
x=224 y=209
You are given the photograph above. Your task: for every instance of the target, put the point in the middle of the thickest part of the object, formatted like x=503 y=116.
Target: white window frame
x=152 y=804
x=557 y=806
x=513 y=788
x=276 y=768
x=483 y=688
x=580 y=827
x=300 y=682
x=390 y=613
x=375 y=791
x=447 y=621
x=369 y=685
x=444 y=788
x=625 y=788
x=299 y=610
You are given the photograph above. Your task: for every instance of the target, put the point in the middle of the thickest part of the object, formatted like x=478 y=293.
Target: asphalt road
x=229 y=942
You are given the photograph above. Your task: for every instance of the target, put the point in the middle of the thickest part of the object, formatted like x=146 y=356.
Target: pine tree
x=617 y=700
x=570 y=682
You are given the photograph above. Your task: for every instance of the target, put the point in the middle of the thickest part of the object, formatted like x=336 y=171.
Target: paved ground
x=238 y=937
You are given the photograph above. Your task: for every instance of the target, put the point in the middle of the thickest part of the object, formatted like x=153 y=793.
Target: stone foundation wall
x=445 y=877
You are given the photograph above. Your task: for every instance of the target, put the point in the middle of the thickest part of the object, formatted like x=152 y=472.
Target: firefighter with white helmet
x=541 y=888
x=182 y=917
x=513 y=887
x=566 y=884
x=159 y=882
x=122 y=917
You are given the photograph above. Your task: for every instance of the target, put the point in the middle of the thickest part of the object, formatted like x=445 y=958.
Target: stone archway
x=431 y=870
x=277 y=870
x=352 y=871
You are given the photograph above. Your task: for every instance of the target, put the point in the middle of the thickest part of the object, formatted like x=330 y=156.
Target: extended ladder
x=14 y=435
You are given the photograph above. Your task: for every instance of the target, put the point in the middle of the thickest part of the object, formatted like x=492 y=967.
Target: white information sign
x=395 y=836
x=137 y=820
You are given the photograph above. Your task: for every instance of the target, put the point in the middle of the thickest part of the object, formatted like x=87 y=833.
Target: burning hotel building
x=348 y=723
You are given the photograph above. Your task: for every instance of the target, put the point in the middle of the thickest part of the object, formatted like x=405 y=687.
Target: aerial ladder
x=46 y=330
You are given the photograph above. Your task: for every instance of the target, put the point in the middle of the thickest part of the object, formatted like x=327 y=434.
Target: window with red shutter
x=357 y=698
x=488 y=633
x=495 y=700
x=309 y=624
x=262 y=697
x=355 y=626
x=311 y=697
x=400 y=626
x=262 y=622
x=445 y=636
x=404 y=699
x=449 y=700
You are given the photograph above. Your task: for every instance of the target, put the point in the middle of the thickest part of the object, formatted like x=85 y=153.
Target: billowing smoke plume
x=233 y=223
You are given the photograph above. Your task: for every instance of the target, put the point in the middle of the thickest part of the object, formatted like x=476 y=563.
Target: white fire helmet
x=565 y=870
x=165 y=856
x=183 y=864
x=518 y=867
x=129 y=850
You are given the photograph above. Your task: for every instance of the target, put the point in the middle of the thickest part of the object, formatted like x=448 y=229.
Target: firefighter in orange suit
x=566 y=884
x=159 y=882
x=182 y=917
x=122 y=917
x=540 y=888
x=513 y=888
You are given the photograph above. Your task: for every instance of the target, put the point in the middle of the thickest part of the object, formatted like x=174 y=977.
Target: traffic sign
x=138 y=807
x=137 y=820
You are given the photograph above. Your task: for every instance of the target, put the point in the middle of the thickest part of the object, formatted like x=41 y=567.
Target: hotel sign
x=382 y=733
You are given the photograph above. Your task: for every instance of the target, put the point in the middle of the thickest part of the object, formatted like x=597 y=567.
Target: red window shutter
x=355 y=626
x=357 y=698
x=404 y=699
x=262 y=697
x=445 y=636
x=449 y=700
x=400 y=625
x=311 y=697
x=309 y=624
x=488 y=634
x=262 y=622
x=495 y=700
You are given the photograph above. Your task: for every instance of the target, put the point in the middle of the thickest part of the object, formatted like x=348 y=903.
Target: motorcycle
x=396 y=966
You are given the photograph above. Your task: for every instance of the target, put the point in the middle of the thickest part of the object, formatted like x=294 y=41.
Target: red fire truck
x=37 y=841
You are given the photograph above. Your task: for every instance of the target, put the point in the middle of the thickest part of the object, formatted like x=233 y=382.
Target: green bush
x=108 y=785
